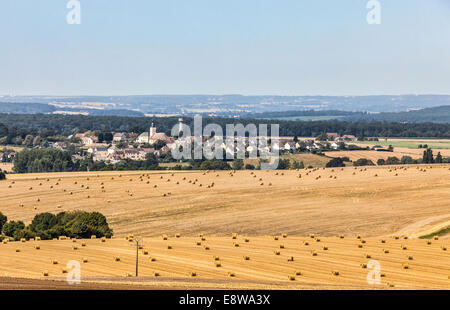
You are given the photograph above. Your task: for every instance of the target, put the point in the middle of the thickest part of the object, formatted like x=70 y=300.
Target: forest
x=13 y=125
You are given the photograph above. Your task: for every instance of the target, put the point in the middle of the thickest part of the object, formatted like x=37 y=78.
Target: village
x=114 y=147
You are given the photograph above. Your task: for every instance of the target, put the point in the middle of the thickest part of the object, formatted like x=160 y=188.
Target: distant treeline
x=11 y=124
x=435 y=115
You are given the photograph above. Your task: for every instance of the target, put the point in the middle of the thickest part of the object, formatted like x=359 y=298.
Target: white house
x=119 y=137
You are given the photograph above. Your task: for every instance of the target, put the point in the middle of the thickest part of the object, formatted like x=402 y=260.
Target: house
x=86 y=139
x=98 y=154
x=333 y=135
x=289 y=146
x=164 y=150
x=129 y=153
x=119 y=137
x=59 y=145
x=349 y=138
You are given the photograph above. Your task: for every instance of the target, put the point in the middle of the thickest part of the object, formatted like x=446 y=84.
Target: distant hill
x=429 y=115
x=309 y=115
x=43 y=108
x=25 y=108
x=238 y=105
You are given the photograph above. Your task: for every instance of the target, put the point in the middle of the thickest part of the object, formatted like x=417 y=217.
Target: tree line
x=76 y=224
x=13 y=125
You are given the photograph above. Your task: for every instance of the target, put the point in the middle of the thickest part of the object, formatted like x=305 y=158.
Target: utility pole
x=138 y=240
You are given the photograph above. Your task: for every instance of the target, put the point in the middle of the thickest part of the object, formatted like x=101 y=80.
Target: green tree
x=23 y=233
x=101 y=137
x=284 y=164
x=214 y=165
x=108 y=137
x=381 y=162
x=407 y=160
x=3 y=220
x=238 y=164
x=322 y=137
x=428 y=156
x=438 y=159
x=363 y=162
x=249 y=167
x=11 y=227
x=335 y=162
x=298 y=165
x=392 y=161
x=43 y=221
x=86 y=224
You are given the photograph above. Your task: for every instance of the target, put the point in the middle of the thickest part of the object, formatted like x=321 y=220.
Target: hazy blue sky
x=285 y=47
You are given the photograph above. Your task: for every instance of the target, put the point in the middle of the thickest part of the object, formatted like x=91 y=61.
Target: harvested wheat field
x=218 y=263
x=375 y=202
x=372 y=201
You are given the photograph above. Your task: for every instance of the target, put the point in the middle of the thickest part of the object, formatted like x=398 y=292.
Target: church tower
x=152 y=131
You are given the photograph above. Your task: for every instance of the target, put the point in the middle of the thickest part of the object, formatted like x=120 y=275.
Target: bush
x=392 y=161
x=249 y=167
x=298 y=165
x=11 y=227
x=381 y=162
x=238 y=164
x=214 y=165
x=407 y=160
x=23 y=233
x=2 y=175
x=284 y=164
x=363 y=162
x=335 y=162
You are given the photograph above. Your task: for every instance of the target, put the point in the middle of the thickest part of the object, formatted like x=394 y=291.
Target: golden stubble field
x=375 y=202
x=244 y=262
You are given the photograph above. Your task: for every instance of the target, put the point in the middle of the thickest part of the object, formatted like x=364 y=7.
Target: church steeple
x=152 y=130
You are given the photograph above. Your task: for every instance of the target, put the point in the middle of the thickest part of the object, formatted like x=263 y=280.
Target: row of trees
x=54 y=160
x=50 y=125
x=77 y=224
x=428 y=158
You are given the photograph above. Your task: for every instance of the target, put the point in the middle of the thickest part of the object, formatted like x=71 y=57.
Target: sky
x=249 y=47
